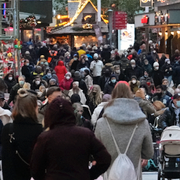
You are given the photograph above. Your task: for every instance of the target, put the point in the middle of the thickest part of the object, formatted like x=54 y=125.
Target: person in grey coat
x=123 y=114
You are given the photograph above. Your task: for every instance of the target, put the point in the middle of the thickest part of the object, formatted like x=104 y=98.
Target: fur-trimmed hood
x=124 y=111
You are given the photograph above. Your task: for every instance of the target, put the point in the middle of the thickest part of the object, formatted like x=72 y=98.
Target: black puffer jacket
x=168 y=118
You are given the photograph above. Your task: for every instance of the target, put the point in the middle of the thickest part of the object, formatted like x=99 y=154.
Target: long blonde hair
x=98 y=98
x=120 y=91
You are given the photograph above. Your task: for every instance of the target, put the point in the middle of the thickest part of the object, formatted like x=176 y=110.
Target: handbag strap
x=117 y=148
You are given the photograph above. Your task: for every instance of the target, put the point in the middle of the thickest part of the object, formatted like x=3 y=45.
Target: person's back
x=18 y=138
x=122 y=122
x=65 y=149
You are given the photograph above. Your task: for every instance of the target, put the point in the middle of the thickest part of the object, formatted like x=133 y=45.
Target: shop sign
x=145 y=20
x=146 y=3
x=120 y=20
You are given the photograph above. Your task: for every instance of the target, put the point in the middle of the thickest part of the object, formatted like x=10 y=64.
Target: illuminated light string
x=80 y=9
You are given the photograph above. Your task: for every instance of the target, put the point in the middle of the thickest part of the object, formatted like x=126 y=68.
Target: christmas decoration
x=17 y=44
x=87 y=26
x=29 y=22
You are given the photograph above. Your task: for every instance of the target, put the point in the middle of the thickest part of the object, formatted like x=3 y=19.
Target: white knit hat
x=166 y=60
x=76 y=82
x=133 y=61
x=96 y=55
x=155 y=64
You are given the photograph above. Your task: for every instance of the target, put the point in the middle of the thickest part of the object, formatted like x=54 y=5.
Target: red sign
x=145 y=20
x=120 y=20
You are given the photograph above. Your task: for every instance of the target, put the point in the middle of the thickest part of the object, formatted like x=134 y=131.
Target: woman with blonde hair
x=123 y=117
x=19 y=137
x=95 y=97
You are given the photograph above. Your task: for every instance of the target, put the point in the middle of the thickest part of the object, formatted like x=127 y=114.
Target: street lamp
x=110 y=18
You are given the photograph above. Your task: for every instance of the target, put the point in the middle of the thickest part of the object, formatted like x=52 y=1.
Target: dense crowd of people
x=54 y=122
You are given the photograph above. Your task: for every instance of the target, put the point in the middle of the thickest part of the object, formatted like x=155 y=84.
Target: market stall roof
x=68 y=27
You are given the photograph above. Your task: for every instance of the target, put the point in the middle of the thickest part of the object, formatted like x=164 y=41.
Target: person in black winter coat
x=104 y=79
x=44 y=51
x=37 y=83
x=134 y=70
x=63 y=152
x=157 y=74
x=82 y=63
x=110 y=85
x=171 y=116
x=176 y=75
x=26 y=71
x=15 y=88
x=82 y=84
x=162 y=60
x=23 y=133
x=167 y=69
x=10 y=81
x=106 y=54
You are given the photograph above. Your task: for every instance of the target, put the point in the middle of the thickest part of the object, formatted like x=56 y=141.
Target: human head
x=106 y=98
x=113 y=79
x=75 y=57
x=86 y=72
x=159 y=89
x=133 y=63
x=176 y=100
x=146 y=74
x=27 y=53
x=52 y=93
x=52 y=82
x=75 y=98
x=140 y=93
x=21 y=80
x=78 y=110
x=176 y=52
x=75 y=85
x=38 y=69
x=167 y=61
x=156 y=66
x=165 y=82
x=117 y=69
x=77 y=75
x=133 y=79
x=121 y=90
x=59 y=112
x=68 y=75
x=9 y=76
x=2 y=99
x=25 y=105
x=146 y=62
x=96 y=56
x=26 y=62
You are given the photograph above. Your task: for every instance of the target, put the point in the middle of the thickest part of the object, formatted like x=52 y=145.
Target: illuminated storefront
x=80 y=28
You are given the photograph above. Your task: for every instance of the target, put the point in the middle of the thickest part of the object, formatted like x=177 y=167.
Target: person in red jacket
x=65 y=84
x=60 y=70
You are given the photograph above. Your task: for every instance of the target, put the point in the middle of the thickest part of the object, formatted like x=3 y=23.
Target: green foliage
x=60 y=6
x=129 y=6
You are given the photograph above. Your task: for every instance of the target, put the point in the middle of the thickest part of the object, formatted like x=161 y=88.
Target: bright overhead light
x=39 y=22
x=160 y=33
x=58 y=16
x=172 y=33
x=178 y=32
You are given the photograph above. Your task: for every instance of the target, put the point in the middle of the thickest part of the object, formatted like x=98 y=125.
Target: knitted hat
x=166 y=60
x=76 y=82
x=42 y=57
x=96 y=55
x=133 y=61
x=140 y=93
x=125 y=82
x=155 y=64
x=77 y=74
x=68 y=74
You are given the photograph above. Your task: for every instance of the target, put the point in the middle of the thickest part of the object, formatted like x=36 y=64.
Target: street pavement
x=149 y=176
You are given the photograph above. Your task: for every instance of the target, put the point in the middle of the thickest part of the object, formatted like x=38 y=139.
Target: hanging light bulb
x=172 y=33
x=160 y=33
